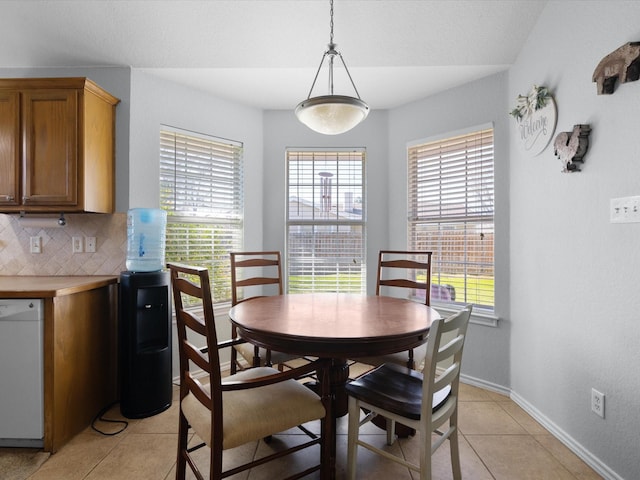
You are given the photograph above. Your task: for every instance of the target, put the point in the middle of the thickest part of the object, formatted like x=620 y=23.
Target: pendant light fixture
x=332 y=114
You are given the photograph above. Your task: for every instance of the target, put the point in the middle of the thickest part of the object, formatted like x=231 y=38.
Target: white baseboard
x=566 y=439
x=476 y=382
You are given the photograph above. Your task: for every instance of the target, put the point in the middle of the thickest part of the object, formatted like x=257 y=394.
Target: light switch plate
x=76 y=244
x=35 y=244
x=625 y=210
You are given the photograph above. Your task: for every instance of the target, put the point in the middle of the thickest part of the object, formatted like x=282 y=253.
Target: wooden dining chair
x=253 y=275
x=409 y=272
x=422 y=401
x=251 y=405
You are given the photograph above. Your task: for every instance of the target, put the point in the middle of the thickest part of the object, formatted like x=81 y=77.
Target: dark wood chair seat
x=396 y=389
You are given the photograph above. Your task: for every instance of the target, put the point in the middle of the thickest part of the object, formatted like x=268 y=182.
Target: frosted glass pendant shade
x=332 y=114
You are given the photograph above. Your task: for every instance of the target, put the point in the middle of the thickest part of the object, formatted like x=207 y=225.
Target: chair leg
x=234 y=361
x=411 y=363
x=181 y=462
x=455 y=455
x=425 y=454
x=256 y=356
x=215 y=463
x=391 y=431
x=267 y=359
x=352 y=448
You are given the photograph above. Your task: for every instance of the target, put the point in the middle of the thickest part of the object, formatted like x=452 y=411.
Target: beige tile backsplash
x=57 y=257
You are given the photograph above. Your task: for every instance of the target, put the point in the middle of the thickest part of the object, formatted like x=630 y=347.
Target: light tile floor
x=498 y=441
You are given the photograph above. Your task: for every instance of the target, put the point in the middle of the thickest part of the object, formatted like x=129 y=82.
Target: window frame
x=336 y=222
x=213 y=178
x=427 y=209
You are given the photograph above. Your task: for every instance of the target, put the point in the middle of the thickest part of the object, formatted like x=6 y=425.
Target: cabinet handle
x=8 y=198
x=25 y=199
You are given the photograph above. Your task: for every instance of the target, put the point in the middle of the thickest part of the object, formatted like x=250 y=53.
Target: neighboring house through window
x=451 y=213
x=326 y=220
x=201 y=188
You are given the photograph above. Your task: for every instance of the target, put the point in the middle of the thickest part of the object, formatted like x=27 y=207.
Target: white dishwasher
x=21 y=373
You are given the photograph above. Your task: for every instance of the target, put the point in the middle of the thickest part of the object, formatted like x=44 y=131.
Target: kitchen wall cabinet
x=57 y=138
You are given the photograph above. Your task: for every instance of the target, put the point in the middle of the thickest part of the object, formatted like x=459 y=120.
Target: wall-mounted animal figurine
x=623 y=65
x=570 y=147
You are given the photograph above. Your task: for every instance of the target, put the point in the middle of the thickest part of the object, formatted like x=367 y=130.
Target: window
x=326 y=221
x=201 y=190
x=451 y=213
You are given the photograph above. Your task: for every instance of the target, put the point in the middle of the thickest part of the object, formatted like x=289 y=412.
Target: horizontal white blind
x=451 y=211
x=201 y=188
x=326 y=221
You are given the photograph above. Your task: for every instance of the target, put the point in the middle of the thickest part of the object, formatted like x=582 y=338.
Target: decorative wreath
x=537 y=98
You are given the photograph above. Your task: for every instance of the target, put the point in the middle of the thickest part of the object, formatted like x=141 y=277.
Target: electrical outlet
x=625 y=210
x=35 y=244
x=597 y=402
x=76 y=243
x=90 y=244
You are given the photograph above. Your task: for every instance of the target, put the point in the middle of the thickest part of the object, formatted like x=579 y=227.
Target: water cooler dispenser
x=145 y=318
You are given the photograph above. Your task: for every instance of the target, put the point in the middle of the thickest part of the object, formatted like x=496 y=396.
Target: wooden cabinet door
x=50 y=156
x=9 y=148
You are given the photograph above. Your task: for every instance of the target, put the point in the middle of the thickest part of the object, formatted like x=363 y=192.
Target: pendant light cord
x=331 y=23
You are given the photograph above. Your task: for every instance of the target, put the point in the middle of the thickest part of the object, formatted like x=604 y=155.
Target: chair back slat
x=405 y=263
x=196 y=387
x=257 y=281
x=194 y=354
x=192 y=322
x=256 y=262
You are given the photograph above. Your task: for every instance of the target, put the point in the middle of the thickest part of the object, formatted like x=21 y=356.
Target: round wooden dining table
x=334 y=325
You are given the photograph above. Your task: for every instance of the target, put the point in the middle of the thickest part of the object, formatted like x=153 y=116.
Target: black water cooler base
x=145 y=344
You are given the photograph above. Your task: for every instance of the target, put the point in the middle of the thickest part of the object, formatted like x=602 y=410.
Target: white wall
x=282 y=130
x=486 y=355
x=574 y=275
x=158 y=102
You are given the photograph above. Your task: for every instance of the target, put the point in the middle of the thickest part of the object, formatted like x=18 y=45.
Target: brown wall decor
x=570 y=147
x=622 y=65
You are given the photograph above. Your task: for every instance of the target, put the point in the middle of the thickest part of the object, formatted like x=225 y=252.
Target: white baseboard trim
x=566 y=439
x=476 y=382
x=586 y=456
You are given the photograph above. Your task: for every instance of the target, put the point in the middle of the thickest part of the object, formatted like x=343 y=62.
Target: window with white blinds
x=201 y=190
x=326 y=221
x=451 y=207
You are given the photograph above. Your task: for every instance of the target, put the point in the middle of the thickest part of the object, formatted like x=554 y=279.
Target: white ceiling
x=265 y=53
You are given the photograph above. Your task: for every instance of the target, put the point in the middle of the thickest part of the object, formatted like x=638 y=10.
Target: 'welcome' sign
x=536 y=117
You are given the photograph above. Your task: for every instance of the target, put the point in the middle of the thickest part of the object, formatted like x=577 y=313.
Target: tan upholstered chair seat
x=256 y=413
x=277 y=358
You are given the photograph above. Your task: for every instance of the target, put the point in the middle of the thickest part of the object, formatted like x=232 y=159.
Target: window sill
x=478 y=316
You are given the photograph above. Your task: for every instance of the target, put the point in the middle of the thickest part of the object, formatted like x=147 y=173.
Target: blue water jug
x=146 y=234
